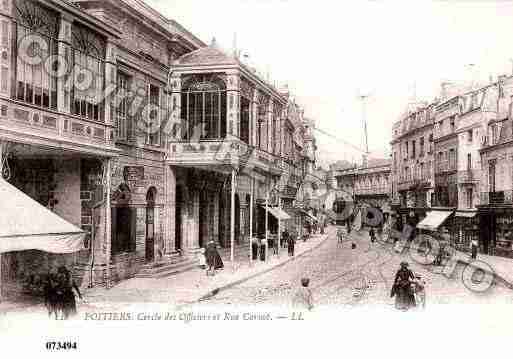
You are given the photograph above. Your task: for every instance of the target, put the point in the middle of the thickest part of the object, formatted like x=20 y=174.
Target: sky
x=332 y=52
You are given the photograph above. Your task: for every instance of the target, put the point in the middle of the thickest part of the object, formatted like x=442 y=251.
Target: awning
x=310 y=216
x=433 y=220
x=25 y=225
x=465 y=214
x=278 y=213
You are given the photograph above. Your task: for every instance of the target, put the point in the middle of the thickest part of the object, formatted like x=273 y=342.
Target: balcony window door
x=469 y=161
x=204 y=108
x=33 y=84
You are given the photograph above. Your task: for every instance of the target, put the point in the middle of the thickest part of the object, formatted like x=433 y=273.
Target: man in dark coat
x=291 y=241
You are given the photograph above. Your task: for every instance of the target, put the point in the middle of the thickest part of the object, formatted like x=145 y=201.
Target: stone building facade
x=149 y=140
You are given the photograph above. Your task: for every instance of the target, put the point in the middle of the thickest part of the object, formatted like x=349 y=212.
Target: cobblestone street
x=349 y=277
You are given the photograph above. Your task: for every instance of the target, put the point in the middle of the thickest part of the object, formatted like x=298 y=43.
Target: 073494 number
x=61 y=345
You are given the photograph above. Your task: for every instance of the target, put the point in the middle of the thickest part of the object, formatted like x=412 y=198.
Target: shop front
x=496 y=232
x=466 y=229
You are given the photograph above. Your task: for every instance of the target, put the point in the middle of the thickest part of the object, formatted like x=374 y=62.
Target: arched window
x=204 y=108
x=34 y=84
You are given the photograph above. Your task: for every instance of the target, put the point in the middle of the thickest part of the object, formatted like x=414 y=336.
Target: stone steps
x=172 y=266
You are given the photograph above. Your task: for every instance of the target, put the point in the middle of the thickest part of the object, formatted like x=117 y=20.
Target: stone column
x=233 y=112
x=107 y=163
x=194 y=222
x=215 y=234
x=174 y=129
x=109 y=110
x=65 y=83
x=270 y=109
x=169 y=208
x=254 y=121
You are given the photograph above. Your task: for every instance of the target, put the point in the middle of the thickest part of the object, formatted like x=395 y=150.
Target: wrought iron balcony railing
x=468 y=176
x=497 y=197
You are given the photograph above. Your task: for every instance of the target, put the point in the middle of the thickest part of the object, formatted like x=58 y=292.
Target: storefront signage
x=133 y=173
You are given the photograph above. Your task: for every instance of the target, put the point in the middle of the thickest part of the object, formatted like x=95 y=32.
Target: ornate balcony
x=222 y=155
x=373 y=190
x=468 y=177
x=24 y=123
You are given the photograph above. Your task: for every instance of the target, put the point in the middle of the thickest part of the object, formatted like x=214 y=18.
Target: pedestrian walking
x=340 y=235
x=291 y=243
x=202 y=259
x=372 y=235
x=66 y=289
x=210 y=256
x=474 y=246
x=303 y=297
x=402 y=288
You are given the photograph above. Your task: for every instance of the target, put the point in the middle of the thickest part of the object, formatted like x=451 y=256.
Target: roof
x=208 y=55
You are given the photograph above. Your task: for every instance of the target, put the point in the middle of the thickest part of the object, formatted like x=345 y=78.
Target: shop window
x=33 y=84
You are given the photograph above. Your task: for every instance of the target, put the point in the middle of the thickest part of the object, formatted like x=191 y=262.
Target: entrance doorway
x=179 y=203
x=150 y=224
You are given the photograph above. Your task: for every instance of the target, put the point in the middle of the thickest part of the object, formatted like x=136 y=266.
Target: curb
x=215 y=291
x=496 y=276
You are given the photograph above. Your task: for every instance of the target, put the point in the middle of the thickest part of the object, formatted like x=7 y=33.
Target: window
x=491 y=176
x=204 y=108
x=470 y=136
x=88 y=73
x=421 y=154
x=469 y=161
x=122 y=121
x=452 y=124
x=245 y=117
x=153 y=128
x=35 y=85
x=413 y=144
x=469 y=198
x=430 y=143
x=406 y=150
x=406 y=173
x=452 y=159
x=494 y=134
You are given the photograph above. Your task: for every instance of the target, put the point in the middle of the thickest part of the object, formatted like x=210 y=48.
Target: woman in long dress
x=402 y=288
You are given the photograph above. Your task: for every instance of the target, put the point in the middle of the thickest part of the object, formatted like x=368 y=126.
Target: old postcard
x=255 y=177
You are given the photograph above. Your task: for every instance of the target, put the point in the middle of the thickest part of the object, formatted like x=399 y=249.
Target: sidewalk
x=501 y=267
x=192 y=286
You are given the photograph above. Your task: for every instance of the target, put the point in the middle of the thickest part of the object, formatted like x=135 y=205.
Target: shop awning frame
x=461 y=214
x=27 y=225
x=434 y=219
x=278 y=213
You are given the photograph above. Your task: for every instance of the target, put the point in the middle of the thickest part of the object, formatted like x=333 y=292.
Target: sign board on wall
x=133 y=173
